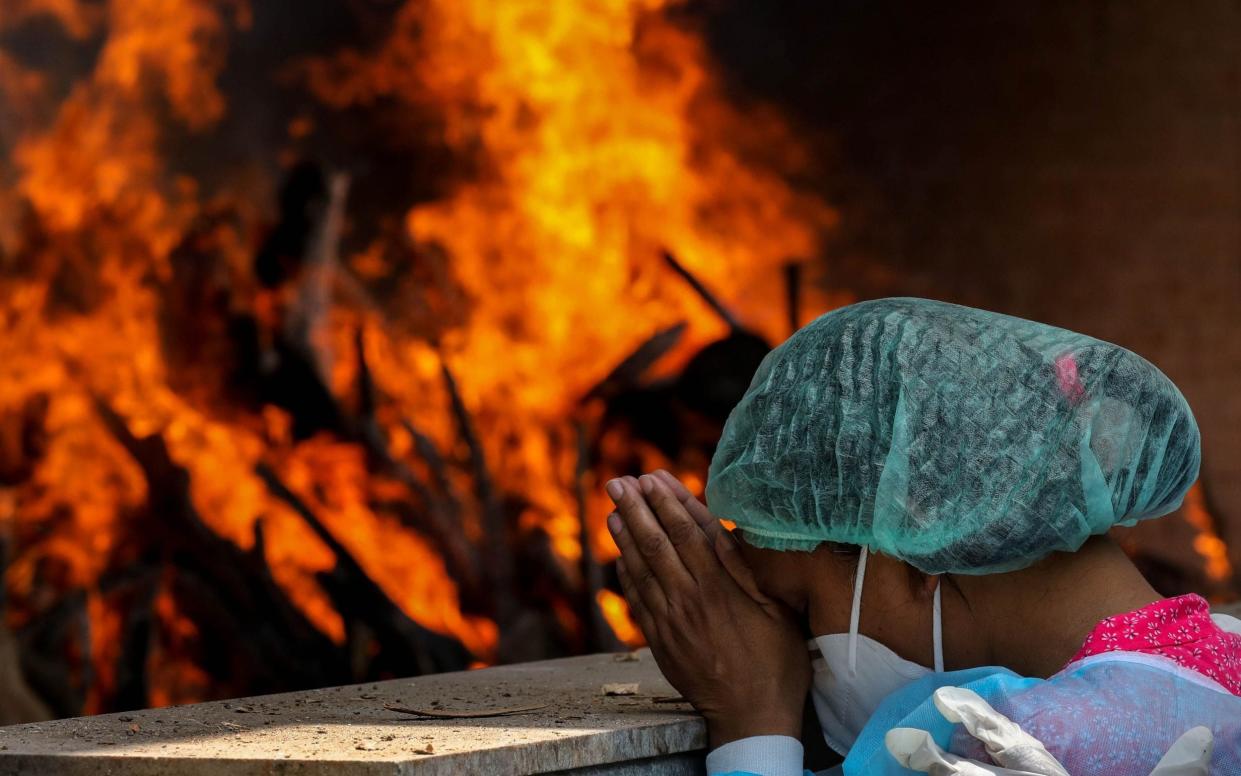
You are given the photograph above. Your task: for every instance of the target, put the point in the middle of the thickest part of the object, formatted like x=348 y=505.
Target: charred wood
x=496 y=542
x=55 y=655
x=598 y=634
x=792 y=294
x=303 y=199
x=254 y=614
x=430 y=455
x=132 y=689
x=628 y=373
x=18 y=702
x=406 y=644
x=23 y=439
x=717 y=377
x=440 y=519
x=705 y=293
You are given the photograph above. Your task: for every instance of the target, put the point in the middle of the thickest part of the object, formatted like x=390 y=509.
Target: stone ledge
x=345 y=731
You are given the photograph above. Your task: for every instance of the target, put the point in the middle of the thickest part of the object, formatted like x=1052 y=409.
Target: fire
x=1207 y=542
x=592 y=131
x=616 y=610
x=595 y=119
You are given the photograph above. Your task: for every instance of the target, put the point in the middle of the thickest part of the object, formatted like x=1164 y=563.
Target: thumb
x=729 y=553
x=709 y=523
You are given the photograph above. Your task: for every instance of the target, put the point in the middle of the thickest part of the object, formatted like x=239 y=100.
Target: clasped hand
x=734 y=653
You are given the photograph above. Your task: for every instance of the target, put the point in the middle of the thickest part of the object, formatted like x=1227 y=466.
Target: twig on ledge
x=445 y=714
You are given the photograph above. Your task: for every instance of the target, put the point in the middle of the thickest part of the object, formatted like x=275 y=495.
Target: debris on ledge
x=528 y=718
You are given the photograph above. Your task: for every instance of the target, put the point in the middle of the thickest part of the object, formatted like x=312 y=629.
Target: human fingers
x=916 y=749
x=1004 y=740
x=642 y=580
x=647 y=537
x=637 y=607
x=696 y=508
x=721 y=540
x=1189 y=756
x=734 y=563
x=683 y=531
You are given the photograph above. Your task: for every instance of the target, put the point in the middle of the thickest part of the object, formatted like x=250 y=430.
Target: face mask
x=856 y=673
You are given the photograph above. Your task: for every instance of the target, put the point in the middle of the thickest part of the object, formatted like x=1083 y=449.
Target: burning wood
x=356 y=593
x=18 y=703
x=715 y=304
x=221 y=585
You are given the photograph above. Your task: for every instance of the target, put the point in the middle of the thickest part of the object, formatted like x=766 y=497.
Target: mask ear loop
x=855 y=613
x=937 y=631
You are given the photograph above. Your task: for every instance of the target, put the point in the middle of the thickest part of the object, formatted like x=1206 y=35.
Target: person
x=927 y=489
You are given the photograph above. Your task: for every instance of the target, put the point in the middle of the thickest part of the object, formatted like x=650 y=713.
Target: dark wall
x=1077 y=162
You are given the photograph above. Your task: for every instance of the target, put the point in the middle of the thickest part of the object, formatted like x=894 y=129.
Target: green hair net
x=957 y=440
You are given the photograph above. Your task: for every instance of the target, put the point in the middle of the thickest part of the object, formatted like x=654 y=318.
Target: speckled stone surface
x=344 y=731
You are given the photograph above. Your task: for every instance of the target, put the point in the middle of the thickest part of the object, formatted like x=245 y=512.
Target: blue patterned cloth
x=1116 y=713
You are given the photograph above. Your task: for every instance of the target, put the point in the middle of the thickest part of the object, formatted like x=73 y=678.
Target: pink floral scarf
x=1178 y=628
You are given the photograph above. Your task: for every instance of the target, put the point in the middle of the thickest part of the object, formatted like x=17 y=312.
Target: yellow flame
x=616 y=612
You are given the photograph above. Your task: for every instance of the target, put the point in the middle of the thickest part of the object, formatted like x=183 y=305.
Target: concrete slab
x=346 y=731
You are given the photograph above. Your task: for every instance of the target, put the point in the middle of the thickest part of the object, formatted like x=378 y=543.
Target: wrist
x=724 y=729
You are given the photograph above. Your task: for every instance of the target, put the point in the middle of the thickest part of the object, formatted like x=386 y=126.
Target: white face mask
x=856 y=673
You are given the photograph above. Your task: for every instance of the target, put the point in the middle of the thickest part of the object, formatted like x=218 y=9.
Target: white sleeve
x=759 y=755
x=1226 y=622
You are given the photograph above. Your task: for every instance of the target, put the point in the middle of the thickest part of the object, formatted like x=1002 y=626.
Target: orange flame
x=594 y=126
x=1207 y=542
x=596 y=122
x=616 y=612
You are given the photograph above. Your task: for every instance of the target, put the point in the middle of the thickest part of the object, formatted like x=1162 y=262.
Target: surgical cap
x=957 y=440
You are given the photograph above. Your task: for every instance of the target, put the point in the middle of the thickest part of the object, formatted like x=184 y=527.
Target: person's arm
x=734 y=653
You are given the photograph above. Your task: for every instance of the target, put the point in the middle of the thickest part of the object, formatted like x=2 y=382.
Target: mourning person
x=927 y=490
